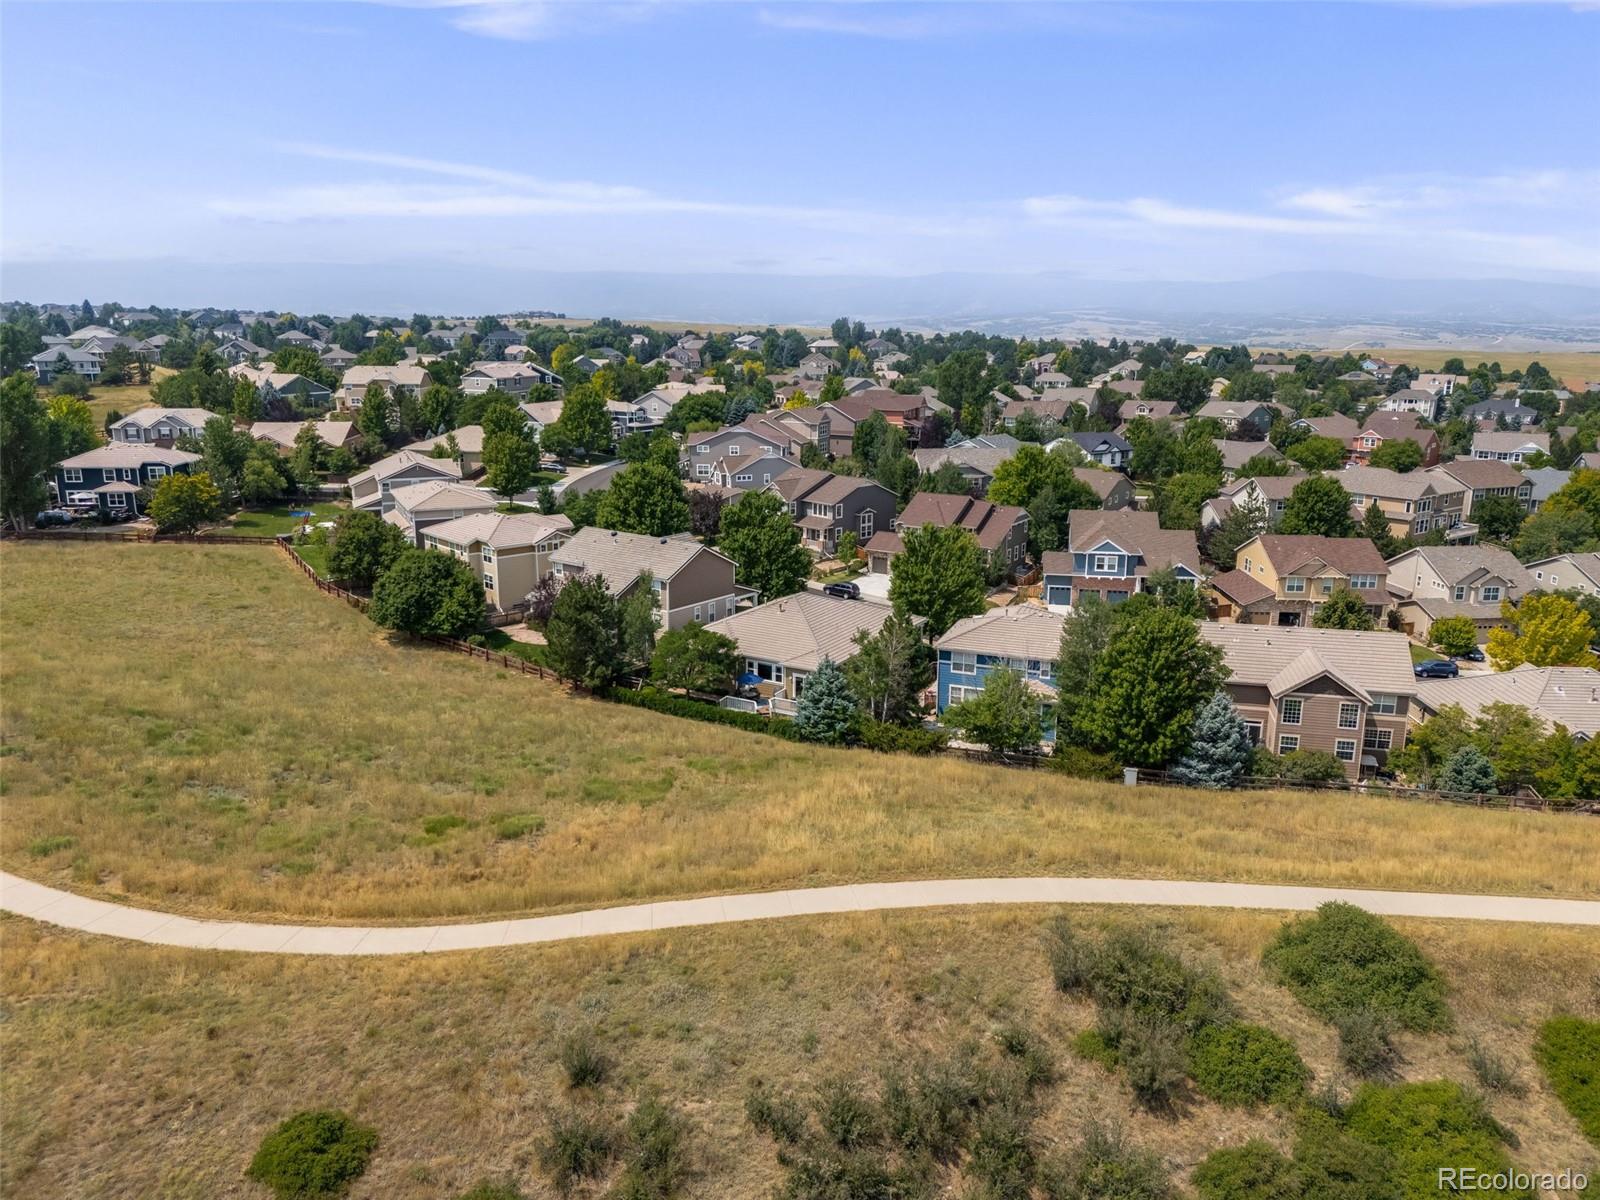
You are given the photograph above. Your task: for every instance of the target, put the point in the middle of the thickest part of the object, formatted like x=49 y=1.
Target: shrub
x=1344 y=959
x=1332 y=1165
x=576 y=1146
x=1310 y=766
x=930 y=1113
x=1132 y=972
x=437 y=827
x=1492 y=1071
x=1071 y=958
x=656 y=1159
x=1002 y=1154
x=698 y=710
x=517 y=825
x=582 y=1060
x=492 y=1191
x=1105 y=1167
x=1085 y=764
x=46 y=846
x=900 y=739
x=1030 y=1053
x=844 y=1177
x=1246 y=1064
x=317 y=1153
x=1253 y=1171
x=1154 y=1056
x=1568 y=1051
x=846 y=1116
x=1364 y=1045
x=1425 y=1126
x=777 y=1116
x=1092 y=1046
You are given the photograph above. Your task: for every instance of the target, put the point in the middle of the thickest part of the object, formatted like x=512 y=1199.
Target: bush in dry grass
x=1032 y=1057
x=1246 y=1064
x=1568 y=1050
x=1364 y=1043
x=847 y=1117
x=1425 y=1126
x=655 y=1155
x=1071 y=958
x=1154 y=1056
x=1132 y=971
x=1002 y=1156
x=1106 y=1167
x=582 y=1059
x=492 y=1191
x=577 y=1145
x=1343 y=960
x=1253 y=1171
x=930 y=1112
x=1492 y=1071
x=779 y=1116
x=1332 y=1165
x=315 y=1153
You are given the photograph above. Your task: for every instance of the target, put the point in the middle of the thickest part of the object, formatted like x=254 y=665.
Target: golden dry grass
x=198 y=728
x=124 y=398
x=1570 y=366
x=135 y=1071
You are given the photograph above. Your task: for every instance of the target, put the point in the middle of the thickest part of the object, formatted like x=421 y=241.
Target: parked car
x=845 y=591
x=1473 y=655
x=1436 y=668
x=52 y=516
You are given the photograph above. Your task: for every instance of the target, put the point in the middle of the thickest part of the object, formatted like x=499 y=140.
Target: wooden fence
x=63 y=538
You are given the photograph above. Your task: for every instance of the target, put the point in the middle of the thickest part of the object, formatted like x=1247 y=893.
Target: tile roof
x=1336 y=425
x=1480 y=473
x=1391 y=485
x=501 y=531
x=622 y=557
x=283 y=433
x=1277 y=656
x=990 y=523
x=438 y=494
x=129 y=454
x=1240 y=587
x=145 y=418
x=1568 y=696
x=803 y=629
x=1017 y=631
x=1352 y=556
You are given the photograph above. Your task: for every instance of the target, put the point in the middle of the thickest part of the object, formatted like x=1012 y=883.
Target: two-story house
x=1112 y=487
x=905 y=413
x=1022 y=638
x=371 y=489
x=1103 y=449
x=281 y=435
x=1236 y=454
x=1340 y=691
x=1234 y=416
x=508 y=552
x=1509 y=445
x=1483 y=478
x=1270 y=492
x=826 y=506
x=298 y=392
x=468 y=443
x=1433 y=582
x=515 y=379
x=1113 y=554
x=1568 y=572
x=402 y=378
x=417 y=507
x=110 y=477
x=977 y=464
x=725 y=453
x=1383 y=427
x=1414 y=502
x=783 y=641
x=1417 y=401
x=692 y=582
x=1001 y=530
x=1335 y=425
x=160 y=426
x=1282 y=579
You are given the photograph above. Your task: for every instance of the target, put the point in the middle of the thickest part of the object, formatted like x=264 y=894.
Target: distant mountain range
x=1295 y=303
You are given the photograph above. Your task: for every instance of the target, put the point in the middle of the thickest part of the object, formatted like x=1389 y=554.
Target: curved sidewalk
x=70 y=911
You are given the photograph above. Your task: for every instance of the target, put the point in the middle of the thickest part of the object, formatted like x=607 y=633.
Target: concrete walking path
x=56 y=907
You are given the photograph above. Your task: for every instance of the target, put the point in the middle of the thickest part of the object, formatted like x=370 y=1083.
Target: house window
x=1288 y=742
x=699 y=612
x=117 y=500
x=1387 y=705
x=1253 y=728
x=72 y=474
x=1292 y=710
x=1378 y=739
x=488 y=582
x=1349 y=716
x=1247 y=565
x=702 y=470
x=869 y=521
x=963 y=662
x=1106 y=564
x=1345 y=750
x=1294 y=584
x=155 y=472
x=1035 y=669
x=959 y=694
x=838 y=511
x=742 y=478
x=1491 y=594
x=1459 y=592
x=702 y=449
x=1363 y=583
x=1327 y=587
x=734 y=449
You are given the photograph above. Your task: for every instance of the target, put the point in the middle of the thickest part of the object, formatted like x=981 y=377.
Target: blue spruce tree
x=1219 y=747
x=1467 y=770
x=827 y=709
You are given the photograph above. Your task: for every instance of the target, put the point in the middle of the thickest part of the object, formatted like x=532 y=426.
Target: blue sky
x=1179 y=141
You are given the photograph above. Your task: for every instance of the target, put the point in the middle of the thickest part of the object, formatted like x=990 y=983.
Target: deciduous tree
x=1454 y=636
x=938 y=575
x=183 y=503
x=1544 y=630
x=428 y=592
x=645 y=498
x=758 y=534
x=25 y=450
x=1004 y=717
x=1344 y=609
x=364 y=547
x=1318 y=505
x=889 y=669
x=695 y=659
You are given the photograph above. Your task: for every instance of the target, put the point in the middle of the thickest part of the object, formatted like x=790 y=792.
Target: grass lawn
x=270 y=522
x=140 y=1071
x=285 y=762
x=124 y=398
x=1422 y=653
x=315 y=554
x=503 y=643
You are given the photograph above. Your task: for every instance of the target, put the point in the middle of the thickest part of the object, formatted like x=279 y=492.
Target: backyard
x=280 y=756
x=276 y=519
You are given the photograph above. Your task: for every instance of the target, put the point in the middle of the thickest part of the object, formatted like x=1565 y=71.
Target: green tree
x=72 y=428
x=1344 y=609
x=310 y=455
x=1084 y=638
x=246 y=401
x=1580 y=493
x=1005 y=716
x=645 y=498
x=584 y=633
x=758 y=534
x=963 y=384
x=1146 y=688
x=1318 y=453
x=260 y=482
x=437 y=407
x=1454 y=636
x=1375 y=527
x=1250 y=387
x=585 y=423
x=1244 y=521
x=375 y=421
x=428 y=592
x=1178 y=500
x=832 y=389
x=25 y=450
x=1553 y=531
x=938 y=575
x=1219 y=747
x=637 y=624
x=510 y=462
x=1318 y=505
x=364 y=547
x=1467 y=770
x=826 y=711
x=695 y=659
x=182 y=503
x=1499 y=517
x=947 y=480
x=889 y=670
x=1544 y=630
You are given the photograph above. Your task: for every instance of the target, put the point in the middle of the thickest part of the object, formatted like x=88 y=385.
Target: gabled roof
x=1101 y=482
x=1480 y=473
x=1392 y=485
x=1236 y=454
x=1405 y=426
x=1586 y=564
x=1016 y=631
x=283 y=433
x=801 y=630
x=1465 y=564
x=1261 y=655
x=622 y=557
x=1288 y=552
x=501 y=531
x=1568 y=696
x=820 y=487
x=469 y=440
x=989 y=523
x=1309 y=665
x=402 y=460
x=129 y=454
x=1335 y=425
x=1507 y=440
x=1224 y=410
x=436 y=494
x=147 y=418
x=1240 y=587
x=1137 y=532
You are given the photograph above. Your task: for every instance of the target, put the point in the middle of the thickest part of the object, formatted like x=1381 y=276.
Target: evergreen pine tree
x=1219 y=748
x=827 y=709
x=1467 y=770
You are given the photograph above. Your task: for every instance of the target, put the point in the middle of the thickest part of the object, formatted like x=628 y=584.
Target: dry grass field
x=1570 y=366
x=198 y=728
x=133 y=1071
x=124 y=398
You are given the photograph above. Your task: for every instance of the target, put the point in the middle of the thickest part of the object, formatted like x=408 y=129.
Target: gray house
x=692 y=581
x=827 y=506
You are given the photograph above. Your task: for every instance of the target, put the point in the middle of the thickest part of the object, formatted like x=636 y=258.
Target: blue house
x=110 y=477
x=1113 y=553
x=1023 y=637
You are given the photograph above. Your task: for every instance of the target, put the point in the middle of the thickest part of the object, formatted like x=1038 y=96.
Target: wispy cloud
x=536 y=20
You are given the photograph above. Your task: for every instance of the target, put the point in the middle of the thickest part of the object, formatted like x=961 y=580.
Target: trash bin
x=1130 y=776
